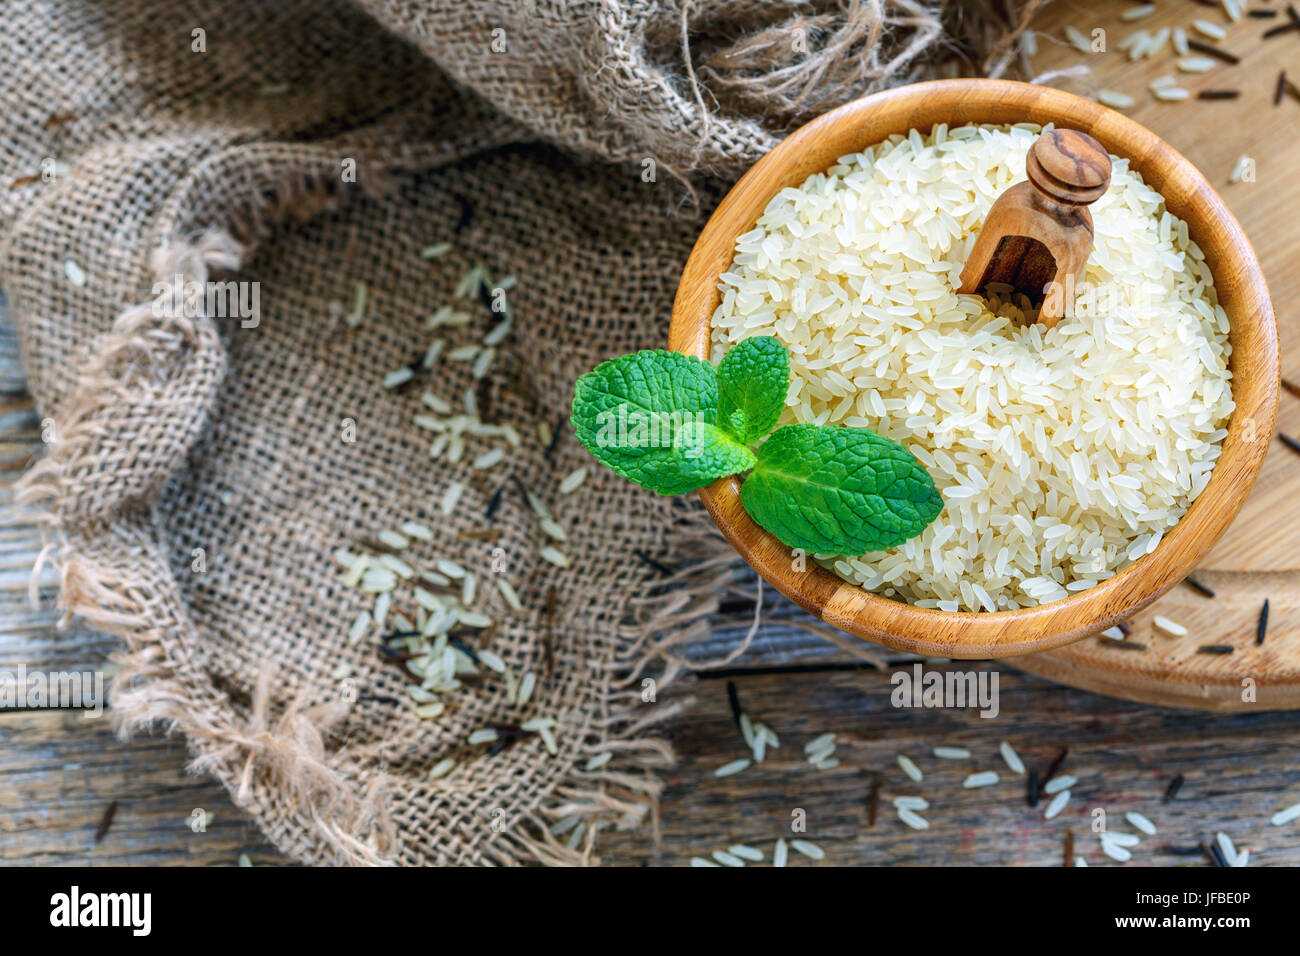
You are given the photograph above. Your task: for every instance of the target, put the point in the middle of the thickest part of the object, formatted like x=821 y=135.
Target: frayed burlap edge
x=102 y=549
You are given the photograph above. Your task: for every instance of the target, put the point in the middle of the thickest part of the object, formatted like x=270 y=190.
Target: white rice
x=1208 y=28
x=573 y=480
x=1115 y=99
x=985 y=778
x=910 y=768
x=727 y=769
x=1057 y=805
x=1062 y=455
x=1011 y=758
x=1226 y=845
x=1057 y=784
x=911 y=803
x=398 y=377
x=808 y=849
x=1114 y=851
x=1141 y=822
x=1078 y=39
x=359 y=627
x=913 y=819
x=1283 y=817
x=1171 y=628
x=1138 y=12
x=952 y=753
x=780 y=854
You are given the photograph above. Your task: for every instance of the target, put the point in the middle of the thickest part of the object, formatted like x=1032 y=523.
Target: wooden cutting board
x=1258 y=557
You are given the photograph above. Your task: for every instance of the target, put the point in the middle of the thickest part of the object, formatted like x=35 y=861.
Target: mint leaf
x=753 y=382
x=835 y=490
x=651 y=417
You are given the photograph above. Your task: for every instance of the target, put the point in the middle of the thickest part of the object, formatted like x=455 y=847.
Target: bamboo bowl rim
x=1242 y=293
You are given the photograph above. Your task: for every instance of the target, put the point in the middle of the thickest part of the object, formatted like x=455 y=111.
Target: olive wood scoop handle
x=1038 y=234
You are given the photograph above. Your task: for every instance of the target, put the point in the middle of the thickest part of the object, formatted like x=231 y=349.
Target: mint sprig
x=651 y=417
x=672 y=423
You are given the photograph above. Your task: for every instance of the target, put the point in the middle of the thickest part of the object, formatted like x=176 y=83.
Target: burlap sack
x=198 y=476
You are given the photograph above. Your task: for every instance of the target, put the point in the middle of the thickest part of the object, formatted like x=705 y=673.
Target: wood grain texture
x=1242 y=293
x=1238 y=769
x=61 y=771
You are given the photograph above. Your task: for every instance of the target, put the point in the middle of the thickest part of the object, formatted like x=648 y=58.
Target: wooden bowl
x=1242 y=293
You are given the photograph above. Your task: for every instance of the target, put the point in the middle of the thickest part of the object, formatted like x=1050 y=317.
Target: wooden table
x=60 y=772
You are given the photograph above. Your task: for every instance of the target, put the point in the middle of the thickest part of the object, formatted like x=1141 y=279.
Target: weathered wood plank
x=62 y=770
x=1239 y=769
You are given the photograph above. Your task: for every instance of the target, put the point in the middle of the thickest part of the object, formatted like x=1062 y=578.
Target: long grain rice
x=1062 y=455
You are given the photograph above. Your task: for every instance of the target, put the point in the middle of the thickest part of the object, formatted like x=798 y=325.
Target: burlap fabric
x=197 y=478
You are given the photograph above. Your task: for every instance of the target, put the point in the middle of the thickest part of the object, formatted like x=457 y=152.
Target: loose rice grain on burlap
x=177 y=437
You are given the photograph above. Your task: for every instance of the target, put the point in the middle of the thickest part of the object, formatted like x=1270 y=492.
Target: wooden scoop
x=1037 y=235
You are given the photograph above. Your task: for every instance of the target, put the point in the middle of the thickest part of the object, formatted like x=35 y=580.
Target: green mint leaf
x=834 y=490
x=753 y=382
x=651 y=417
